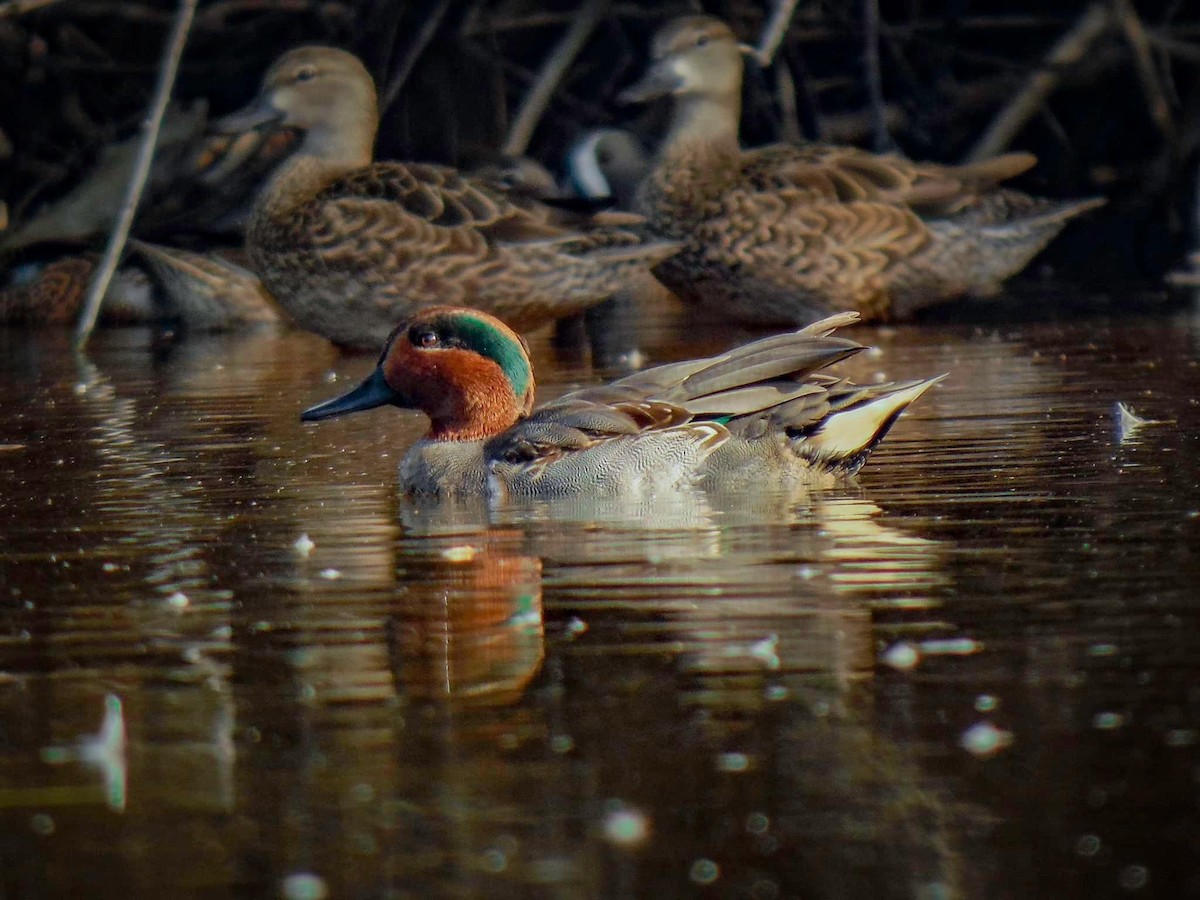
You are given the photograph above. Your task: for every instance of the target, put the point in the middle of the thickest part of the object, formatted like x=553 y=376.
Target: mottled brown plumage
x=206 y=292
x=786 y=233
x=348 y=247
x=54 y=296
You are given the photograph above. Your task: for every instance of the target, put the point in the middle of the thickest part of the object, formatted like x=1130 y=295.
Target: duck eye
x=306 y=73
x=424 y=337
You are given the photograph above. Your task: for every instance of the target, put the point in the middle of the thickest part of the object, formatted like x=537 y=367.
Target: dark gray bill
x=373 y=392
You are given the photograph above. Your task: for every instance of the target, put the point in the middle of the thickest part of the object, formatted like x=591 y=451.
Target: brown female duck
x=53 y=293
x=348 y=247
x=785 y=233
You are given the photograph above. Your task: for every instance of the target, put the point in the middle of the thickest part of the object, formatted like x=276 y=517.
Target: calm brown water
x=975 y=674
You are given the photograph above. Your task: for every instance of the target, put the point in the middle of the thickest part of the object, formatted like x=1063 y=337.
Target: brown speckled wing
x=437 y=197
x=820 y=172
x=843 y=249
x=55 y=296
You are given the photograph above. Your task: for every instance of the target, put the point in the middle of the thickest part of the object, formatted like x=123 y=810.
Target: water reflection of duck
x=763 y=412
x=786 y=233
x=468 y=627
x=349 y=247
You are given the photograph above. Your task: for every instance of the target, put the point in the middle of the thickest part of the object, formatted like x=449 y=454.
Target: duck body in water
x=763 y=413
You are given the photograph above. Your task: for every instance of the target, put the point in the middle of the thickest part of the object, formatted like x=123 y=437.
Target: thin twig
x=1143 y=64
x=1174 y=47
x=413 y=53
x=17 y=7
x=880 y=137
x=1069 y=49
x=551 y=73
x=217 y=14
x=785 y=96
x=475 y=25
x=141 y=169
x=772 y=36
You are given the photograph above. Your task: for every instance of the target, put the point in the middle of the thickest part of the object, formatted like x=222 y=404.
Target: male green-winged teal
x=763 y=413
x=784 y=233
x=348 y=247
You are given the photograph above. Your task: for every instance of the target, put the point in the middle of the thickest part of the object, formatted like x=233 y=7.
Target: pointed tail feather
x=826 y=326
x=843 y=441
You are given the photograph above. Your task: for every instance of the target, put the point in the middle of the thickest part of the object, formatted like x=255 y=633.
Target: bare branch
x=413 y=53
x=776 y=28
x=785 y=96
x=1069 y=50
x=141 y=169
x=1143 y=64
x=551 y=73
x=19 y=7
x=880 y=137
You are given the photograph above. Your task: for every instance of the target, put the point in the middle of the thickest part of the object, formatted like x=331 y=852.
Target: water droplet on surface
x=733 y=762
x=494 y=861
x=765 y=650
x=1181 y=737
x=1107 y=721
x=304 y=886
x=41 y=824
x=626 y=826
x=985 y=739
x=1134 y=877
x=757 y=823
x=562 y=743
x=902 y=656
x=1088 y=845
x=950 y=647
x=704 y=871
x=304 y=545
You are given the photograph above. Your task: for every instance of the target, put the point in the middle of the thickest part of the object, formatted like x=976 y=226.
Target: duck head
x=691 y=56
x=466 y=370
x=326 y=93
x=607 y=162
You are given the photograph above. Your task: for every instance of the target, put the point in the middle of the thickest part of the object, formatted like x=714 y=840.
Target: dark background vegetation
x=76 y=75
